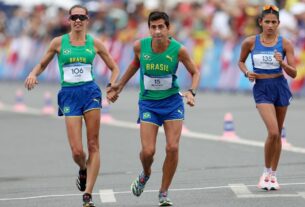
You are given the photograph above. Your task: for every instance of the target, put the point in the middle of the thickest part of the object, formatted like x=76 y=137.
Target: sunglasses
x=268 y=7
x=81 y=17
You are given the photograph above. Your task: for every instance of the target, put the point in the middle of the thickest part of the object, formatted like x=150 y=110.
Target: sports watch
x=193 y=92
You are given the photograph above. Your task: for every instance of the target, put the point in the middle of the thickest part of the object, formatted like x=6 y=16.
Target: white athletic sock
x=273 y=173
x=267 y=170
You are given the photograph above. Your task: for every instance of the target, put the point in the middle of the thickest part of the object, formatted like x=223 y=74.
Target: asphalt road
x=37 y=169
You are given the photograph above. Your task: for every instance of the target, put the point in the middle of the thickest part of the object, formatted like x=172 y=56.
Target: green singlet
x=75 y=62
x=158 y=78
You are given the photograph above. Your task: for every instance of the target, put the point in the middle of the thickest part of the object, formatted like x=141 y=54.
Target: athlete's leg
x=280 y=116
x=268 y=114
x=74 y=132
x=148 y=133
x=172 y=130
x=92 y=120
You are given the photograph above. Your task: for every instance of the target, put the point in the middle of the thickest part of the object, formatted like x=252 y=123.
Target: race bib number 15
x=158 y=83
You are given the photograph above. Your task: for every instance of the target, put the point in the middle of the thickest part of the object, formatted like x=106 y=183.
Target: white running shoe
x=274 y=185
x=264 y=181
x=164 y=200
x=138 y=185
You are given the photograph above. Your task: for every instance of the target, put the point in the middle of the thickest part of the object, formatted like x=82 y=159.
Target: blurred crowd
x=212 y=30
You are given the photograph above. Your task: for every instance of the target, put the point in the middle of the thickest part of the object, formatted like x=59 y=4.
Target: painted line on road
x=146 y=191
x=189 y=134
x=242 y=191
x=302 y=194
x=205 y=136
x=107 y=196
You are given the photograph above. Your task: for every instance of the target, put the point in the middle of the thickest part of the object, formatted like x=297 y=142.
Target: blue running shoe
x=164 y=200
x=138 y=185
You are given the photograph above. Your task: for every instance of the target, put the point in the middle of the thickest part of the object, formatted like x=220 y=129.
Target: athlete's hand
x=251 y=76
x=190 y=99
x=30 y=82
x=113 y=92
x=278 y=56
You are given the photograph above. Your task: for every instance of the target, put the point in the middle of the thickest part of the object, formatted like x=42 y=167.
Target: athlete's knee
x=148 y=152
x=273 y=135
x=93 y=145
x=172 y=148
x=78 y=153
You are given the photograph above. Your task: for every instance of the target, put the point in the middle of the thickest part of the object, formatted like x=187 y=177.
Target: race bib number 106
x=79 y=73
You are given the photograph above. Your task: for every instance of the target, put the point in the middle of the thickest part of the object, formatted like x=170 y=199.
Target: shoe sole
x=165 y=204
x=274 y=188
x=79 y=187
x=88 y=205
x=263 y=188
x=134 y=191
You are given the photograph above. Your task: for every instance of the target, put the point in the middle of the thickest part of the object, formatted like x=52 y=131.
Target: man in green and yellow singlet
x=160 y=102
x=80 y=97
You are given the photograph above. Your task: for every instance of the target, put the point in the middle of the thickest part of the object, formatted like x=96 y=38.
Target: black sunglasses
x=81 y=17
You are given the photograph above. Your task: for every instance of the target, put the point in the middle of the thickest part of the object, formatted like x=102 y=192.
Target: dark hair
x=156 y=15
x=270 y=11
x=78 y=6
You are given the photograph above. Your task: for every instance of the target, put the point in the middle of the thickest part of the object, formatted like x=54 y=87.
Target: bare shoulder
x=182 y=50
x=97 y=41
x=137 y=46
x=98 y=44
x=183 y=54
x=249 y=41
x=287 y=44
x=56 y=43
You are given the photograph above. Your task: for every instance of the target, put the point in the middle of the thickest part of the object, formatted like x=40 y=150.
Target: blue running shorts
x=272 y=91
x=76 y=100
x=158 y=111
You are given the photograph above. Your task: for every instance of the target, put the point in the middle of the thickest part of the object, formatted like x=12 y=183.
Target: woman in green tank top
x=158 y=57
x=76 y=52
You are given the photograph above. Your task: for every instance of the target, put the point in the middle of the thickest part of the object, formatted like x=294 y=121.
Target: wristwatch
x=246 y=74
x=193 y=92
x=108 y=85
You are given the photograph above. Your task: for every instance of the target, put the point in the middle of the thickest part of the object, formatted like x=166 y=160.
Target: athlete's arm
x=193 y=70
x=289 y=66
x=133 y=66
x=131 y=70
x=246 y=47
x=190 y=66
x=54 y=48
x=104 y=54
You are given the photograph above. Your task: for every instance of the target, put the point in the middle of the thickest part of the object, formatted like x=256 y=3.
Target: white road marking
x=39 y=197
x=189 y=134
x=242 y=191
x=154 y=191
x=204 y=136
x=302 y=194
x=107 y=196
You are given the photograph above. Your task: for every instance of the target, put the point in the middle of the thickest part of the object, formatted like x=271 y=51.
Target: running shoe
x=81 y=180
x=164 y=200
x=274 y=185
x=138 y=185
x=87 y=200
x=264 y=181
